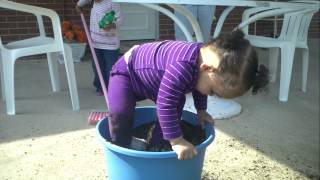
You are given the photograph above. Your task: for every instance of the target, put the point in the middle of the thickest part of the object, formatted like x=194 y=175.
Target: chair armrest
x=252 y=11
x=221 y=20
x=266 y=13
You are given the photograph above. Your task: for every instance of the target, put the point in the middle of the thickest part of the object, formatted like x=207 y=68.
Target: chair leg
x=54 y=71
x=69 y=65
x=305 y=66
x=2 y=79
x=287 y=55
x=8 y=77
x=273 y=63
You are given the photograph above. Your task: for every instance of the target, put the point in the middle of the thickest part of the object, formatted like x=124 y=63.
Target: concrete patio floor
x=268 y=140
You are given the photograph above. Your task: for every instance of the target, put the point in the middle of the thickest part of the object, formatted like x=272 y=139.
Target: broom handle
x=103 y=85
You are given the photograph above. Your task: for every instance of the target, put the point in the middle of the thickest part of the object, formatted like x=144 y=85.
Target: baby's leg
x=121 y=109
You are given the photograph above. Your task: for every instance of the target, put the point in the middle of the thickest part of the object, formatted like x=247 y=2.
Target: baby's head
x=229 y=67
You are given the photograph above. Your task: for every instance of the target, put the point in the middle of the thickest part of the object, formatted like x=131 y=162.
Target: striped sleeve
x=172 y=88
x=200 y=100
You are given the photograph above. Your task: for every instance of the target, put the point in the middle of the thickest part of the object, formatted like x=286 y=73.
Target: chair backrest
x=290 y=26
x=38 y=12
x=304 y=26
x=296 y=25
x=254 y=14
x=302 y=35
x=40 y=25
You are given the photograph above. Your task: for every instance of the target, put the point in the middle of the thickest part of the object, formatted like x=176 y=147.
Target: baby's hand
x=204 y=116
x=183 y=148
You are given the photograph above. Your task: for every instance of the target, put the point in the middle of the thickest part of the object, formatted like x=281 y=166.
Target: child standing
x=105 y=41
x=165 y=71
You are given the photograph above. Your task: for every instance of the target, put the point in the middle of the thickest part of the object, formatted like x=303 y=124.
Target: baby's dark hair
x=238 y=67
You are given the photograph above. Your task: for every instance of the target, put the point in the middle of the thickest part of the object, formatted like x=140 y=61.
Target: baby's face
x=210 y=81
x=205 y=84
x=208 y=61
x=209 y=84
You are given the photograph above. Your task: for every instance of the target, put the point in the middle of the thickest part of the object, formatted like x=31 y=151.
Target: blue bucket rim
x=150 y=154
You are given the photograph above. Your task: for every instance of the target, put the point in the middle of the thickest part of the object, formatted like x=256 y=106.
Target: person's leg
x=179 y=35
x=110 y=57
x=205 y=17
x=96 y=81
x=122 y=103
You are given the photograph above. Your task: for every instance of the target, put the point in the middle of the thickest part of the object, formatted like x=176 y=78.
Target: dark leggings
x=106 y=59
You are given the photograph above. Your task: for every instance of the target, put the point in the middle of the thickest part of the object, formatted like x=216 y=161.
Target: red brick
x=28 y=24
x=8 y=25
x=18 y=31
x=16 y=18
x=7 y=12
x=66 y=11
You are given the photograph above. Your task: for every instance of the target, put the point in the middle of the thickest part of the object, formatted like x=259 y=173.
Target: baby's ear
x=205 y=67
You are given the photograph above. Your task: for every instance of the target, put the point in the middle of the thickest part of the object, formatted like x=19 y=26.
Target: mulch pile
x=192 y=133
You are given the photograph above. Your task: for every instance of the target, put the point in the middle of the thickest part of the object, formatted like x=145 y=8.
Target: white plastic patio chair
x=293 y=35
x=52 y=46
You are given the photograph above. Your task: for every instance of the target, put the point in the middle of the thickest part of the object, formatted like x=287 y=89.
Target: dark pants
x=106 y=59
x=122 y=102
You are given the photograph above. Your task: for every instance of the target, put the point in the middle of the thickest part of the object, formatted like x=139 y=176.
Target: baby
x=165 y=71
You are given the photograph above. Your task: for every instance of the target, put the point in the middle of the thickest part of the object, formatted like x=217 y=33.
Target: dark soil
x=192 y=133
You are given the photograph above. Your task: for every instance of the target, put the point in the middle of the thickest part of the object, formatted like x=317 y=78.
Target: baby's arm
x=200 y=102
x=172 y=89
x=204 y=116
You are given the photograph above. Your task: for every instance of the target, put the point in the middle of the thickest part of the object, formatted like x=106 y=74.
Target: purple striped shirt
x=164 y=72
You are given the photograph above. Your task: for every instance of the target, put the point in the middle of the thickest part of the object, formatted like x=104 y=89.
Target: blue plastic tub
x=128 y=164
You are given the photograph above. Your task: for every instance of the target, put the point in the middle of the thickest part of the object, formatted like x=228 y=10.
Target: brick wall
x=17 y=25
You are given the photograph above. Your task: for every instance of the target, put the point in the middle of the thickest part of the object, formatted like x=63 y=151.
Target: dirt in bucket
x=192 y=133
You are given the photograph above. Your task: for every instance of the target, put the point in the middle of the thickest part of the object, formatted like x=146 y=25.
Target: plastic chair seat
x=31 y=42
x=265 y=42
